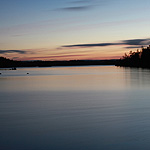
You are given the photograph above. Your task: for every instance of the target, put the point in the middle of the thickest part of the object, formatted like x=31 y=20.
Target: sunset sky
x=72 y=29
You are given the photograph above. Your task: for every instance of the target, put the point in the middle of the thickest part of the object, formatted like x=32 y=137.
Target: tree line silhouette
x=7 y=63
x=140 y=58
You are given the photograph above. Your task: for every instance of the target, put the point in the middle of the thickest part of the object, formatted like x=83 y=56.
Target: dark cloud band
x=76 y=8
x=12 y=51
x=92 y=45
x=133 y=42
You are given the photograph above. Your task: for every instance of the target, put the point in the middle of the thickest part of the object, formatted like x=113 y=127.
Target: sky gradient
x=72 y=29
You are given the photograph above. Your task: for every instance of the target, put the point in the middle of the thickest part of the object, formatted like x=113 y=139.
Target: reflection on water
x=137 y=77
x=75 y=79
x=70 y=108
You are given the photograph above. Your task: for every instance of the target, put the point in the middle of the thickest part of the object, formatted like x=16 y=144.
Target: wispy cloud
x=76 y=8
x=131 y=47
x=92 y=45
x=18 y=35
x=50 y=57
x=131 y=42
x=137 y=42
x=13 y=51
x=78 y=5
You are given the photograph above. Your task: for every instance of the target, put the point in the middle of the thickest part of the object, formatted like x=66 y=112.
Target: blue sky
x=52 y=30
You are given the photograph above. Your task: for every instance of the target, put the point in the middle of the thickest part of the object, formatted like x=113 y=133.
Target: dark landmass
x=7 y=63
x=136 y=59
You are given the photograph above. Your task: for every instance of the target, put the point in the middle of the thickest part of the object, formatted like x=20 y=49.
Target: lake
x=75 y=108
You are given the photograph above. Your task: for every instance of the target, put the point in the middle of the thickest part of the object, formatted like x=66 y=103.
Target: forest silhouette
x=140 y=58
x=7 y=63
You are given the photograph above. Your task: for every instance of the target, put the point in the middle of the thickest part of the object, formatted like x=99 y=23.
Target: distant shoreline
x=7 y=63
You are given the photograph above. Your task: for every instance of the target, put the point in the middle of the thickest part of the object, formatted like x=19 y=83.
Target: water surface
x=70 y=108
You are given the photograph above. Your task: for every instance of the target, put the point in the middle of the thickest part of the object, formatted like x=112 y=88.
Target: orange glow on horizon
x=66 y=54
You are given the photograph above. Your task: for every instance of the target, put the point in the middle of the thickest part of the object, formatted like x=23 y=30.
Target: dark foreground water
x=75 y=108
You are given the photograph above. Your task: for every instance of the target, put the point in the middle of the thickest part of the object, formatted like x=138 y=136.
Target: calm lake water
x=75 y=108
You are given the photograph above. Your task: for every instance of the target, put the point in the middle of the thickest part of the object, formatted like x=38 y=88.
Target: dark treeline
x=136 y=59
x=7 y=63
